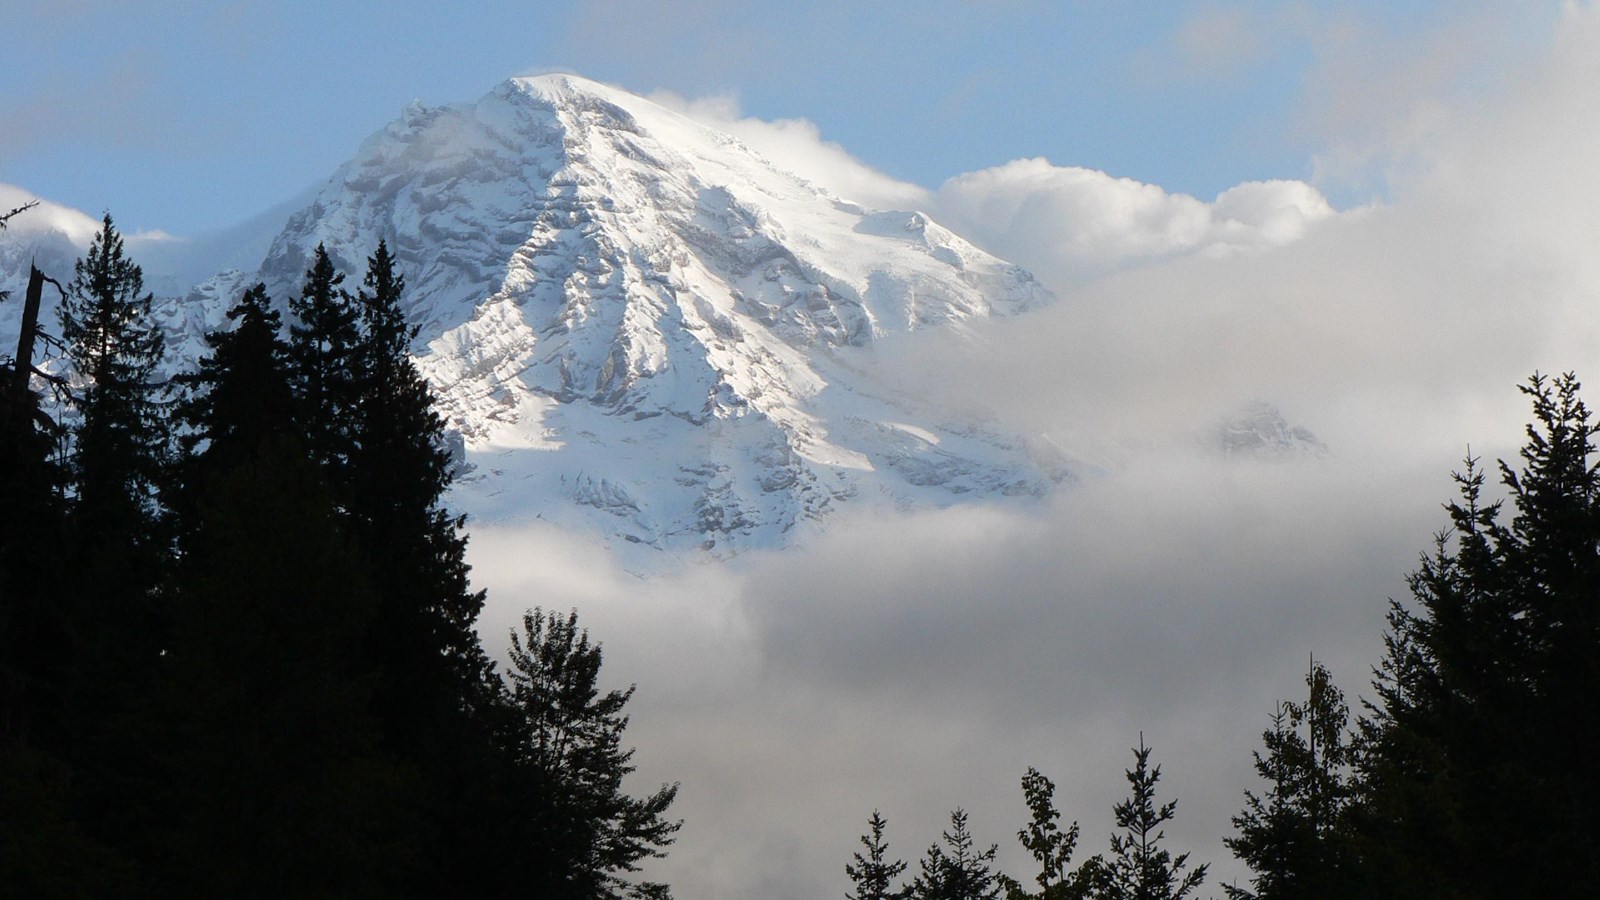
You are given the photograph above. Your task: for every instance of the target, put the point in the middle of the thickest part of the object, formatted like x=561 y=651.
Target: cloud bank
x=1071 y=225
x=922 y=661
x=1067 y=224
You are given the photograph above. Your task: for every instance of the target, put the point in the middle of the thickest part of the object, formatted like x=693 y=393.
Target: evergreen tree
x=1272 y=835
x=240 y=396
x=1470 y=783
x=874 y=874
x=1291 y=836
x=117 y=541
x=119 y=441
x=323 y=340
x=398 y=433
x=237 y=401
x=1139 y=868
x=1050 y=846
x=431 y=662
x=115 y=347
x=588 y=834
x=369 y=418
x=271 y=782
x=962 y=872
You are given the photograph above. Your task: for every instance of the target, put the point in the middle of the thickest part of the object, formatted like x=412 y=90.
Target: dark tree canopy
x=1290 y=835
x=1470 y=781
x=961 y=872
x=280 y=788
x=874 y=873
x=1138 y=867
x=245 y=662
x=570 y=744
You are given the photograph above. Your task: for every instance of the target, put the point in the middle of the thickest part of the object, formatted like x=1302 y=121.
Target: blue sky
x=184 y=115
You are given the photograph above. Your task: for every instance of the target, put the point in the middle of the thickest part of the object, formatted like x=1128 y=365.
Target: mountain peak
x=639 y=325
x=563 y=87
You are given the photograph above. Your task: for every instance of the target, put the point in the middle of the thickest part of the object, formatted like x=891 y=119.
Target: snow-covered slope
x=639 y=325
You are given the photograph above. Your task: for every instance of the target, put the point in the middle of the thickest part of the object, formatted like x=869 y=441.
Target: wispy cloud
x=1219 y=41
x=78 y=226
x=797 y=145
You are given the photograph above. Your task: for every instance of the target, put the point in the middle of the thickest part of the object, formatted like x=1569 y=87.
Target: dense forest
x=239 y=658
x=238 y=654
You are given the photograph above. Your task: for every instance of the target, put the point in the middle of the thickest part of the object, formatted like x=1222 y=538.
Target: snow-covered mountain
x=637 y=322
x=641 y=326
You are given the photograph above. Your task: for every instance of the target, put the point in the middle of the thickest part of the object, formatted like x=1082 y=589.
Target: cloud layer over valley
x=921 y=662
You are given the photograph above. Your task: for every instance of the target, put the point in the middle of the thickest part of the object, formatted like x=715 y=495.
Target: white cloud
x=1070 y=224
x=1067 y=224
x=1259 y=214
x=796 y=145
x=920 y=662
x=79 y=227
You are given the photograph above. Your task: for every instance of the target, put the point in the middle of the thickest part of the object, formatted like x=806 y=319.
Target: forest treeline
x=1469 y=774
x=238 y=654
